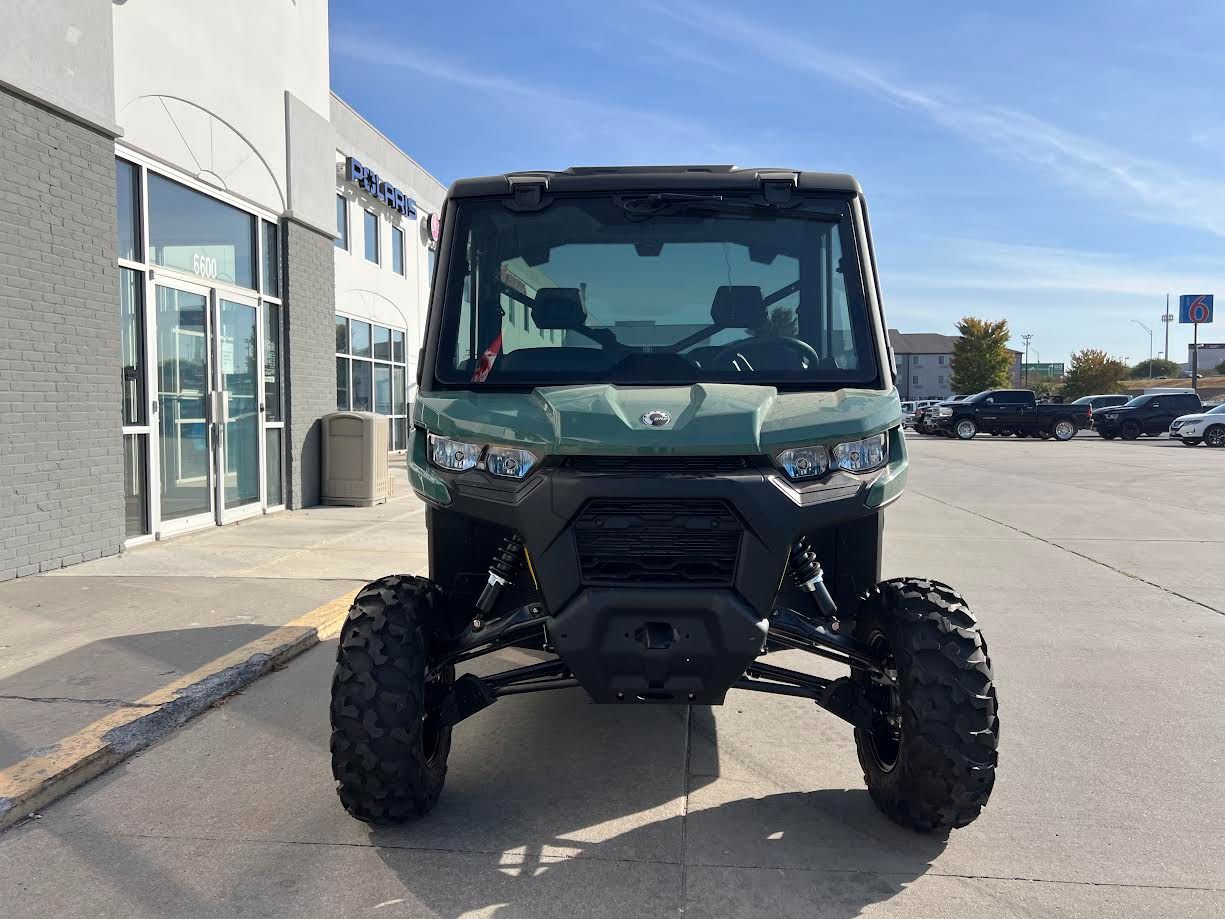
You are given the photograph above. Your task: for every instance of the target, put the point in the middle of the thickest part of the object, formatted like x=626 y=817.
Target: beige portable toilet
x=355 y=459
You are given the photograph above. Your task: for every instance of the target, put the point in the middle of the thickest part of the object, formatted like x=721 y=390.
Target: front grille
x=656 y=465
x=657 y=542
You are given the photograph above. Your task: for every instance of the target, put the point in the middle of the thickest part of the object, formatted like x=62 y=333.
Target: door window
x=238 y=342
x=183 y=392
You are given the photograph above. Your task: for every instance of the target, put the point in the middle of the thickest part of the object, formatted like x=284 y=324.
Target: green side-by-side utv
x=656 y=432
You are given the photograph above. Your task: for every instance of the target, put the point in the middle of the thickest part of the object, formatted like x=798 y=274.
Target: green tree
x=981 y=359
x=1220 y=369
x=1160 y=368
x=1047 y=389
x=1093 y=372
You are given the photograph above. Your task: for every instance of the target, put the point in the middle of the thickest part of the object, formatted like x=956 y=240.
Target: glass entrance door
x=184 y=387
x=238 y=353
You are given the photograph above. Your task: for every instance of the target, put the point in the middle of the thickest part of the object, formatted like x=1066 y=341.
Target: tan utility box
x=355 y=459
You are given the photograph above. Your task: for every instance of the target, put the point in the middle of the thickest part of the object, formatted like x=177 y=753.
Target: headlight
x=861 y=455
x=804 y=462
x=509 y=462
x=944 y=412
x=453 y=455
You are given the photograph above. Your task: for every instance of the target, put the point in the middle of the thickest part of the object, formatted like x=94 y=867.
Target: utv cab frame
x=655 y=432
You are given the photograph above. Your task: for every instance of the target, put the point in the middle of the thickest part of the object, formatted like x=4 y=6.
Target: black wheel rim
x=885 y=736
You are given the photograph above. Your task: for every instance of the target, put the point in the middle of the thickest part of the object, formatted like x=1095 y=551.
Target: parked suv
x=1208 y=427
x=1097 y=403
x=1151 y=413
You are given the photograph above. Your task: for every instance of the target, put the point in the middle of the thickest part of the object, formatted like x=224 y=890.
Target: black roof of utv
x=656 y=178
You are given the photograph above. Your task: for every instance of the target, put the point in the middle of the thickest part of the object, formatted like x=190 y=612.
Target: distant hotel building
x=925 y=364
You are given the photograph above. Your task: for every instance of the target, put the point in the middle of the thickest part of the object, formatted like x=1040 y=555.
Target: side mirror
x=989 y=401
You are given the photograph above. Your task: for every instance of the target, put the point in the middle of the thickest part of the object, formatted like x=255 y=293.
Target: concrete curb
x=40 y=779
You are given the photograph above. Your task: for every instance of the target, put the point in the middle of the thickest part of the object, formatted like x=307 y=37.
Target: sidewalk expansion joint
x=128 y=727
x=623 y=860
x=113 y=703
x=1071 y=551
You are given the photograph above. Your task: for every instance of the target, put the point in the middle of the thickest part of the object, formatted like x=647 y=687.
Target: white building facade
x=386 y=205
x=194 y=169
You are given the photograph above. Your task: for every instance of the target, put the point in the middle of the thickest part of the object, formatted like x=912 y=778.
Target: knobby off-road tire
x=935 y=768
x=389 y=753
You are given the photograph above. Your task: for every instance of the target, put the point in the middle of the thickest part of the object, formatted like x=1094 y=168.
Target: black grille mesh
x=657 y=541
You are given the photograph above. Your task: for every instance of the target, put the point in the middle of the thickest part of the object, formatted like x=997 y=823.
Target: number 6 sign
x=1195 y=308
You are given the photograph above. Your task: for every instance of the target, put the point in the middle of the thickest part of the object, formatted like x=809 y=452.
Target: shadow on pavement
x=48 y=701
x=826 y=853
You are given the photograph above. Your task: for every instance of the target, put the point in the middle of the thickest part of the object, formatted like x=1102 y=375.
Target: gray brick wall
x=310 y=311
x=61 y=461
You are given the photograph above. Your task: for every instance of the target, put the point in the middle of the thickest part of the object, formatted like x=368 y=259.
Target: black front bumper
x=648 y=625
x=657 y=645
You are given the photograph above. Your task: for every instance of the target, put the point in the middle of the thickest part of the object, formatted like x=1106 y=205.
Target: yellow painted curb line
x=38 y=780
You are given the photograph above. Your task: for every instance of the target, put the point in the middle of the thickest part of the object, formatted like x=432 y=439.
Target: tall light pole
x=1025 y=338
x=1166 y=318
x=1150 y=345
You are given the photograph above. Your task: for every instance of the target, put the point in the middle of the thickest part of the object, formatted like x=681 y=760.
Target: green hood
x=706 y=418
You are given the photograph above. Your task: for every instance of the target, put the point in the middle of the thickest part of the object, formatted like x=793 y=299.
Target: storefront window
x=342 y=385
x=273 y=465
x=382 y=343
x=272 y=259
x=127 y=207
x=135 y=485
x=272 y=362
x=342 y=335
x=192 y=232
x=131 y=345
x=359 y=338
x=342 y=223
x=371 y=375
x=370 y=230
x=361 y=386
x=397 y=250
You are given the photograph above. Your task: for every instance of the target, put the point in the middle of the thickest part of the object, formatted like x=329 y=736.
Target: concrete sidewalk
x=106 y=656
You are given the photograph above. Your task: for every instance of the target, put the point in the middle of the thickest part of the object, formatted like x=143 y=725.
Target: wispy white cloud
x=1157 y=191
x=624 y=129
x=977 y=265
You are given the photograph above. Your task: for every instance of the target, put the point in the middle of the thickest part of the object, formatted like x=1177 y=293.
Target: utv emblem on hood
x=656 y=418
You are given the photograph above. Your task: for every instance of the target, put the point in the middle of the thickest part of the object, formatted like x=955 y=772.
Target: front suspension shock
x=507 y=562
x=808 y=576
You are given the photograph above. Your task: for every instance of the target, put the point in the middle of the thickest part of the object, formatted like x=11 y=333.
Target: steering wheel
x=736 y=355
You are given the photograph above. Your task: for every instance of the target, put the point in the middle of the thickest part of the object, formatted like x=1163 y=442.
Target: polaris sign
x=368 y=180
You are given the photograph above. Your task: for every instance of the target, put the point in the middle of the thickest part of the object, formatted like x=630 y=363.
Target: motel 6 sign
x=1195 y=308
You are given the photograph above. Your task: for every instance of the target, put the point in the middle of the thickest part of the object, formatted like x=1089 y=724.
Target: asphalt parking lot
x=1096 y=570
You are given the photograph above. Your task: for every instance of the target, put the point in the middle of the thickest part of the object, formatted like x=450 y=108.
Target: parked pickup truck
x=1011 y=411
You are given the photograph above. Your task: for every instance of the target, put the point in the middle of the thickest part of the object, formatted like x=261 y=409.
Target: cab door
x=989 y=412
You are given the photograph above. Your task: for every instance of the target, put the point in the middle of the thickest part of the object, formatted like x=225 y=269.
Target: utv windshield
x=654 y=289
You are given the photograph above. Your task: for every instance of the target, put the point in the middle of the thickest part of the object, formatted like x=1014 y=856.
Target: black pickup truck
x=1010 y=411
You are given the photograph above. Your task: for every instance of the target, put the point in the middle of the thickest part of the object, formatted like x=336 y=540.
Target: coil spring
x=508 y=559
x=804 y=564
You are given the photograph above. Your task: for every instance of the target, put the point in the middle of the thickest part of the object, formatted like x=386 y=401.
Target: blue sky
x=1059 y=165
